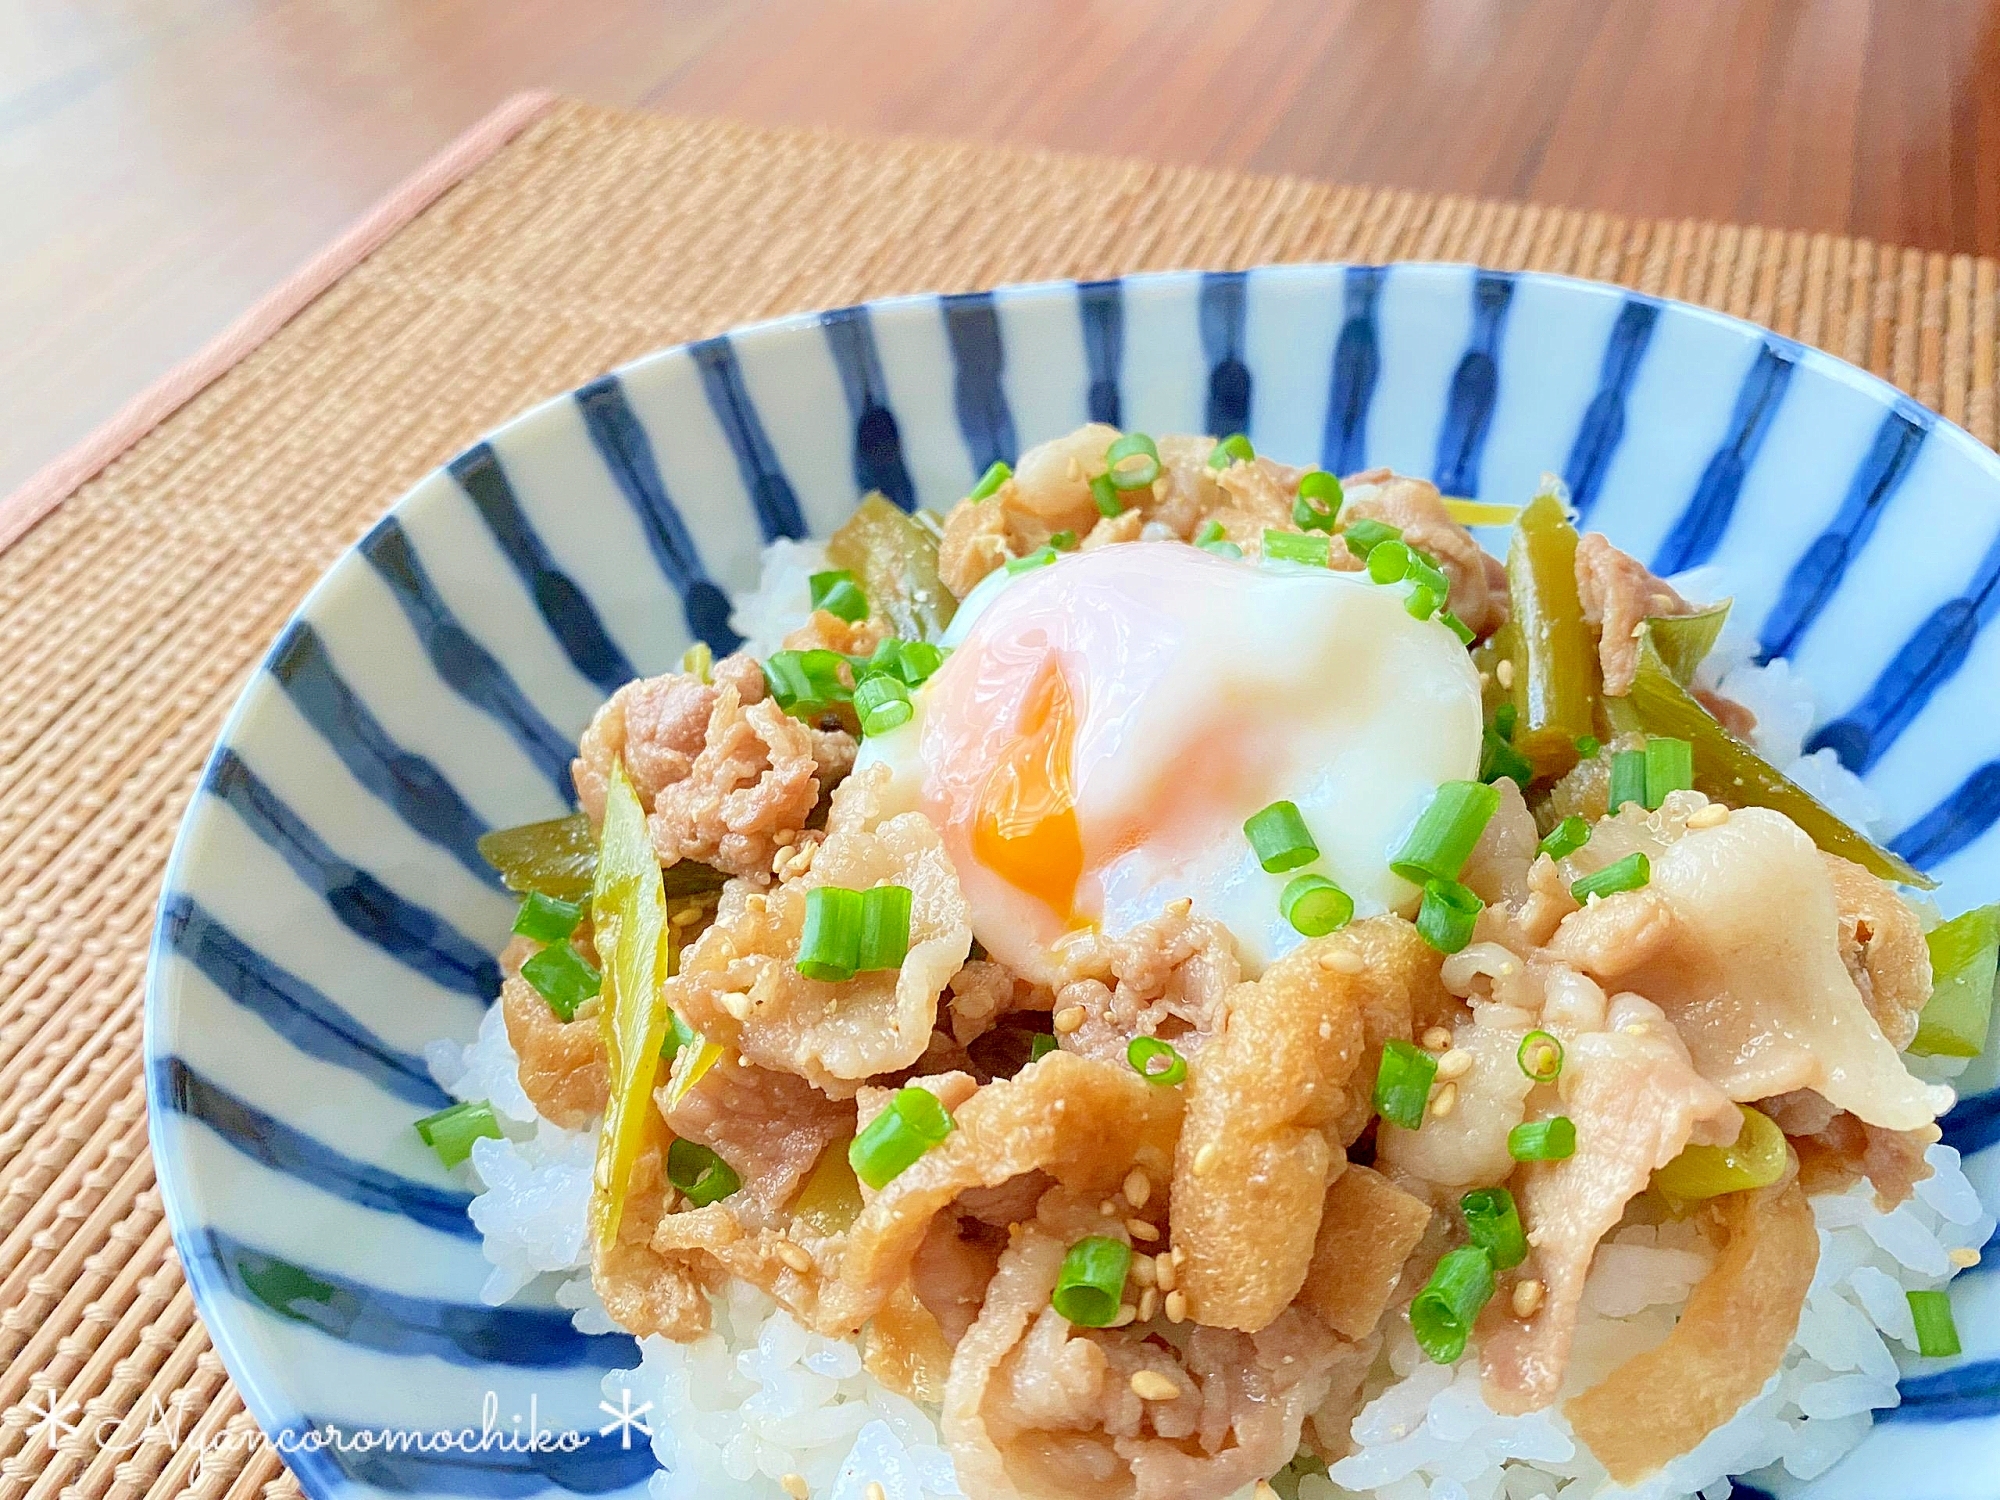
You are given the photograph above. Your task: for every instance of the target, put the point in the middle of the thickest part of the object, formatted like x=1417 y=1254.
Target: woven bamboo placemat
x=130 y=615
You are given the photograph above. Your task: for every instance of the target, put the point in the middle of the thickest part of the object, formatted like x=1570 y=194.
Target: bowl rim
x=213 y=1302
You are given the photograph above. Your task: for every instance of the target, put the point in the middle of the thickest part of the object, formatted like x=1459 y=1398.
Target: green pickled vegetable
x=1555 y=672
x=1964 y=955
x=1755 y=1159
x=1730 y=771
x=894 y=557
x=1684 y=641
x=628 y=914
x=555 y=858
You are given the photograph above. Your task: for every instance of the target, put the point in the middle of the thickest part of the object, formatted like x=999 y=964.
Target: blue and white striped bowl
x=326 y=913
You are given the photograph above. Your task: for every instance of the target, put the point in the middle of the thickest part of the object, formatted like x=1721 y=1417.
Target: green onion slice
x=1493 y=1223
x=1587 y=746
x=882 y=703
x=1315 y=906
x=1317 y=506
x=1298 y=547
x=996 y=475
x=1156 y=1061
x=830 y=946
x=1448 y=914
x=1506 y=719
x=1091 y=1285
x=1540 y=1056
x=1669 y=768
x=1627 y=874
x=1041 y=557
x=912 y=661
x=885 y=928
x=1063 y=541
x=1457 y=627
x=451 y=1132
x=1444 y=834
x=1423 y=601
x=1543 y=1140
x=1125 y=474
x=1403 y=1083
x=1234 y=449
x=1937 y=1334
x=1965 y=954
x=1442 y=1314
x=700 y=1174
x=562 y=977
x=805 y=684
x=1499 y=760
x=1568 y=836
x=1105 y=496
x=912 y=1123
x=1365 y=535
x=1280 y=837
x=1389 y=561
x=1628 y=778
x=838 y=594
x=547 y=920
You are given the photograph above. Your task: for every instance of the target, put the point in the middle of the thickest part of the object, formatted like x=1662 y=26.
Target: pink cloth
x=48 y=488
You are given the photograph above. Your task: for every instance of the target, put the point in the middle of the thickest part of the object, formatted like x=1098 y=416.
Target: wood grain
x=162 y=165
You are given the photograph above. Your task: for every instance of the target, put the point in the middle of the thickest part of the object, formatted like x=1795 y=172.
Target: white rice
x=782 y=600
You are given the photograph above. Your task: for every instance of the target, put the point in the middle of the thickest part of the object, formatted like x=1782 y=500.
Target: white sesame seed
x=1712 y=816
x=1165 y=1272
x=1068 y=1019
x=1445 y=1101
x=1454 y=1064
x=1151 y=1385
x=1138 y=1188
x=795 y=1257
x=795 y=1485
x=1177 y=1307
x=1139 y=1229
x=1437 y=1039
x=1144 y=1272
x=1127 y=1313
x=1527 y=1297
x=1503 y=672
x=1204 y=1159
x=1263 y=1491
x=1149 y=1303
x=1342 y=960
x=1964 y=1257
x=875 y=1491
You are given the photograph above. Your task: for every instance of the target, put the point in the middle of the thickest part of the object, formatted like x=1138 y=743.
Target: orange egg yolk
x=1025 y=830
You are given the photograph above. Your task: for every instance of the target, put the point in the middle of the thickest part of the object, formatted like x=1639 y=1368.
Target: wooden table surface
x=164 y=162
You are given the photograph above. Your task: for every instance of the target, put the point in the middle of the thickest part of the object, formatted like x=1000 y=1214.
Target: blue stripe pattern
x=469 y=668
x=1969 y=1390
x=535 y=1338
x=1922 y=665
x=972 y=326
x=564 y=607
x=1224 y=317
x=878 y=445
x=1698 y=530
x=1973 y=1124
x=1816 y=577
x=1603 y=425
x=1101 y=307
x=756 y=460
x=411 y=934
x=272 y=1143
x=1958 y=820
x=1357 y=364
x=1475 y=389
x=621 y=441
x=310 y=1021
x=419 y=793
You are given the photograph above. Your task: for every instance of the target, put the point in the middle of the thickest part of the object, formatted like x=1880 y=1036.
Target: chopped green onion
x=882 y=703
x=885 y=928
x=1403 y=1083
x=679 y=1034
x=1441 y=841
x=1041 y=557
x=909 y=1125
x=1281 y=838
x=1937 y=1334
x=1389 y=562
x=1493 y=1223
x=1540 y=1056
x=562 y=977
x=1543 y=1140
x=1090 y=1288
x=1298 y=547
x=1105 y=494
x=1365 y=535
x=1042 y=1045
x=451 y=1132
x=1234 y=449
x=1587 y=746
x=1442 y=1314
x=1425 y=573
x=1144 y=1051
x=1669 y=768
x=700 y=1174
x=805 y=684
x=1422 y=601
x=1130 y=476
x=1627 y=874
x=1211 y=531
x=1568 y=836
x=912 y=661
x=546 y=919
x=1964 y=955
x=1506 y=719
x=996 y=475
x=1317 y=507
x=1628 y=778
x=1063 y=541
x=1448 y=915
x=1457 y=627
x=830 y=947
x=1315 y=906
x=1498 y=759
x=838 y=594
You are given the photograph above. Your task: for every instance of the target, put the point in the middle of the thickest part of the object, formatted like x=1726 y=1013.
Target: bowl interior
x=326 y=913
